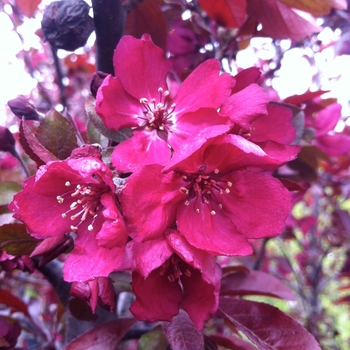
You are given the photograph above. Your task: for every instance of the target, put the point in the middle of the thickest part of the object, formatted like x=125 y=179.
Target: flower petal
x=204 y=88
x=115 y=106
x=88 y=260
x=215 y=234
x=258 y=204
x=246 y=105
x=149 y=201
x=141 y=67
x=157 y=298
x=144 y=148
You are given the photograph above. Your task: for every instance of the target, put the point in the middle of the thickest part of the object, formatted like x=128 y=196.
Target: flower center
x=206 y=188
x=85 y=203
x=157 y=115
x=173 y=270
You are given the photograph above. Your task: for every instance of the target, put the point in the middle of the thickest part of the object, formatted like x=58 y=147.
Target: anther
x=64 y=215
x=160 y=90
x=67 y=183
x=90 y=227
x=73 y=205
x=171 y=278
x=183 y=190
x=227 y=190
x=229 y=183
x=74 y=228
x=187 y=202
x=220 y=205
x=197 y=211
x=143 y=100
x=166 y=93
x=216 y=171
x=60 y=199
x=188 y=273
x=213 y=212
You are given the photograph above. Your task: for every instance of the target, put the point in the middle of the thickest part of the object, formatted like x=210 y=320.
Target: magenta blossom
x=214 y=198
x=168 y=274
x=326 y=139
x=75 y=196
x=138 y=98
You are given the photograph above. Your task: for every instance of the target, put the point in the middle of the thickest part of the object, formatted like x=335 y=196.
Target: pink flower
x=99 y=291
x=326 y=139
x=75 y=196
x=268 y=125
x=214 y=198
x=138 y=98
x=168 y=274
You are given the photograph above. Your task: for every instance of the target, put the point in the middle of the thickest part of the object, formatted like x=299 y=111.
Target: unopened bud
x=96 y=81
x=22 y=108
x=67 y=24
x=7 y=141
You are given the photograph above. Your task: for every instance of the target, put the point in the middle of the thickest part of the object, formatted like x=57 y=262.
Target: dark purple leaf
x=33 y=148
x=104 y=337
x=57 y=135
x=266 y=326
x=15 y=240
x=182 y=334
x=232 y=343
x=255 y=283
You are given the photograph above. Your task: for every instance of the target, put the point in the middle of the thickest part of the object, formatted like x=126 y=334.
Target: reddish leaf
x=210 y=344
x=316 y=7
x=104 y=337
x=291 y=185
x=228 y=13
x=232 y=343
x=255 y=283
x=81 y=311
x=12 y=301
x=15 y=240
x=28 y=7
x=148 y=18
x=57 y=135
x=182 y=334
x=266 y=326
x=34 y=149
x=279 y=21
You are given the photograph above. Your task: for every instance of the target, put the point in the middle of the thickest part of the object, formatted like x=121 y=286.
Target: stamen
x=64 y=215
x=143 y=100
x=188 y=273
x=74 y=205
x=183 y=190
x=74 y=228
x=171 y=278
x=90 y=227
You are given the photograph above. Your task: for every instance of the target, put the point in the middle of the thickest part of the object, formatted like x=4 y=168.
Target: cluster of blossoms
x=193 y=182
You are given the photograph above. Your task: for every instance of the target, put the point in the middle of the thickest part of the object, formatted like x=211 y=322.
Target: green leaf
x=57 y=135
x=153 y=340
x=7 y=190
x=15 y=240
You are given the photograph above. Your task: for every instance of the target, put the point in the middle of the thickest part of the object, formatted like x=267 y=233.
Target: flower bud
x=7 y=141
x=96 y=81
x=22 y=108
x=67 y=24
